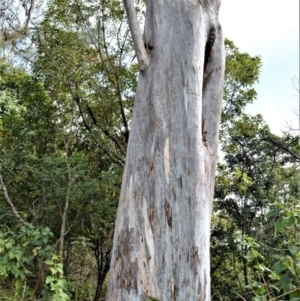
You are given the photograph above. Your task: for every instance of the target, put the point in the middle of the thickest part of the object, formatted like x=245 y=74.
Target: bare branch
x=241 y=297
x=28 y=15
x=9 y=202
x=295 y=81
x=281 y=146
x=138 y=43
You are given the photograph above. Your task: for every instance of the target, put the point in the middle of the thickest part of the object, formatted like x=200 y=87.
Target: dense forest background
x=67 y=81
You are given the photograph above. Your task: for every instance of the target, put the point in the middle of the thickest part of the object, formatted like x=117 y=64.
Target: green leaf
x=55 y=270
x=22 y=276
x=8 y=245
x=279 y=267
x=279 y=223
x=64 y=297
x=11 y=254
x=62 y=283
x=152 y=299
x=285 y=281
x=49 y=262
x=290 y=221
x=50 y=279
x=271 y=213
x=294 y=250
x=295 y=294
x=260 y=290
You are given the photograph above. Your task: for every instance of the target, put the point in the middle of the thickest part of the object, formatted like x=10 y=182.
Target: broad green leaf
x=8 y=245
x=49 y=262
x=11 y=254
x=294 y=250
x=279 y=223
x=271 y=213
x=62 y=283
x=289 y=221
x=64 y=297
x=49 y=279
x=295 y=294
x=285 y=281
x=279 y=267
x=55 y=270
x=260 y=291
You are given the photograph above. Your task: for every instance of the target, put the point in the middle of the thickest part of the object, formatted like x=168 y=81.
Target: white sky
x=270 y=29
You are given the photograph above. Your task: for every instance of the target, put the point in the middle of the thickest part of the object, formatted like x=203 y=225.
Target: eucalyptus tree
x=162 y=233
x=19 y=20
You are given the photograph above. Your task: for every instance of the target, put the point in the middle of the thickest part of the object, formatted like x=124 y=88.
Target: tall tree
x=162 y=234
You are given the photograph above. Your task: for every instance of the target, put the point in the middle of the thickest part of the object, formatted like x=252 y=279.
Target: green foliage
x=278 y=274
x=257 y=192
x=241 y=73
x=152 y=299
x=64 y=130
x=87 y=44
x=26 y=255
x=21 y=253
x=254 y=241
x=56 y=280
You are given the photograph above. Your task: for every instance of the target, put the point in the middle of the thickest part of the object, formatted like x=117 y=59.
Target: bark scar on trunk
x=149 y=48
x=204 y=133
x=174 y=293
x=168 y=212
x=167 y=160
x=208 y=54
x=210 y=43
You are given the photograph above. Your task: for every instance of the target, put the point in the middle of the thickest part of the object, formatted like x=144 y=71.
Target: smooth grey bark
x=140 y=50
x=9 y=202
x=162 y=233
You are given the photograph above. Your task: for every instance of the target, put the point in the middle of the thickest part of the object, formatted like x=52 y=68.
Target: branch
x=281 y=146
x=136 y=35
x=114 y=158
x=9 y=202
x=213 y=269
x=241 y=297
x=28 y=14
x=72 y=179
x=110 y=136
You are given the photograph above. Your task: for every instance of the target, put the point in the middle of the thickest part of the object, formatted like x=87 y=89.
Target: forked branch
x=138 y=43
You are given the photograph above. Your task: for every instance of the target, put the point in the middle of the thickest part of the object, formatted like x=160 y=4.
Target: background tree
x=258 y=173
x=19 y=20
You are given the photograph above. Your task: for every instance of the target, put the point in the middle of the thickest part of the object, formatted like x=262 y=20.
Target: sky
x=270 y=29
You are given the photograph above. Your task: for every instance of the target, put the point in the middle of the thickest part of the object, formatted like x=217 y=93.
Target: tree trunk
x=102 y=256
x=162 y=234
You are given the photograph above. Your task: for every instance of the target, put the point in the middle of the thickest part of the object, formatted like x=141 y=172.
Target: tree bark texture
x=162 y=233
